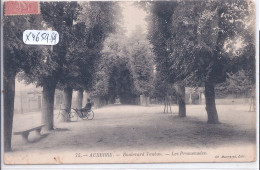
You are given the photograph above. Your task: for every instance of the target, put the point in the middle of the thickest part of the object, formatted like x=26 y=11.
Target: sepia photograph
x=94 y=82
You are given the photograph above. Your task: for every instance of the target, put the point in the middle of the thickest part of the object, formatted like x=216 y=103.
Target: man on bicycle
x=87 y=107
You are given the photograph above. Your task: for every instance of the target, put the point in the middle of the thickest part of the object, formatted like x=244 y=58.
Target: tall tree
x=82 y=28
x=93 y=24
x=113 y=77
x=142 y=62
x=58 y=16
x=126 y=67
x=160 y=23
x=199 y=36
x=17 y=57
x=197 y=40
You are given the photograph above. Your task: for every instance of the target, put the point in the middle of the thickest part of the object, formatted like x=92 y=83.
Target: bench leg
x=38 y=131
x=25 y=136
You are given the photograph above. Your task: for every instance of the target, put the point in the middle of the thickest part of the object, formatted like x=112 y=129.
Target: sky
x=133 y=16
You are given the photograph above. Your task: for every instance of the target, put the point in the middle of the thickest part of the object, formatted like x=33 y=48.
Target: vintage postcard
x=129 y=81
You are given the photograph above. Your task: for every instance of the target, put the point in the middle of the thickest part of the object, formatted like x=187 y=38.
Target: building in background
x=28 y=98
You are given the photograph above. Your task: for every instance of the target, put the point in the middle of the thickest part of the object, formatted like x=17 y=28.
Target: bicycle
x=83 y=114
x=65 y=113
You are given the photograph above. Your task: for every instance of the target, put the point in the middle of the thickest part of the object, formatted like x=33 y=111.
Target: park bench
x=25 y=133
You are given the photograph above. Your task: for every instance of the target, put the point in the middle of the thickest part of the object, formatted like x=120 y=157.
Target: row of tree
x=82 y=28
x=126 y=68
x=186 y=46
x=197 y=43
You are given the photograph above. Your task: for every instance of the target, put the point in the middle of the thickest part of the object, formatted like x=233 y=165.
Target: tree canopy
x=194 y=45
x=17 y=57
x=126 y=67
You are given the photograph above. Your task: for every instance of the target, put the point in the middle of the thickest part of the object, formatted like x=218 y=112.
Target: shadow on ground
x=38 y=138
x=148 y=129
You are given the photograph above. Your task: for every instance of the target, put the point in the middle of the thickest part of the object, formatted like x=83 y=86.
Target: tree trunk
x=9 y=93
x=210 y=103
x=67 y=93
x=147 y=100
x=79 y=99
x=190 y=100
x=200 y=98
x=48 y=104
x=144 y=100
x=97 y=102
x=85 y=98
x=181 y=100
x=111 y=100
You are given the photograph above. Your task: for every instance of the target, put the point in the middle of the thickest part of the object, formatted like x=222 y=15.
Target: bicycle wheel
x=90 y=115
x=84 y=116
x=58 y=116
x=61 y=116
x=73 y=116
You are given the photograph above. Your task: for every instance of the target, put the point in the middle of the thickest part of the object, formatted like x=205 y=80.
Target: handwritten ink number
x=45 y=36
x=37 y=37
x=33 y=36
x=41 y=37
x=53 y=37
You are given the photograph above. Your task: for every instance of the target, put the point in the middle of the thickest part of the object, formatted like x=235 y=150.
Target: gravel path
x=121 y=127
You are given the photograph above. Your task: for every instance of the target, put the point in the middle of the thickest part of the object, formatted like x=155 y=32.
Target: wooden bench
x=25 y=133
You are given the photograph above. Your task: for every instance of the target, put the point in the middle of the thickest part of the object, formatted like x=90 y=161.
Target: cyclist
x=87 y=107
